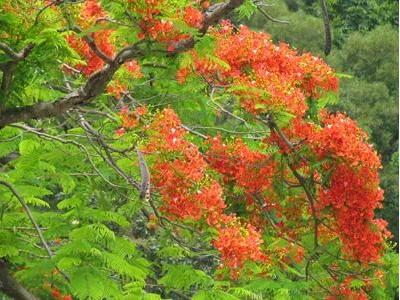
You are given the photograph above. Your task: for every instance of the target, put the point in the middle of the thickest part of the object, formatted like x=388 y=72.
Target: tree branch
x=273 y=127
x=30 y=216
x=10 y=286
x=8 y=68
x=145 y=176
x=7 y=50
x=272 y=19
x=97 y=82
x=92 y=44
x=327 y=27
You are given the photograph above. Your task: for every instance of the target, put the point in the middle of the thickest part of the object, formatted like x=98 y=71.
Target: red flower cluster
x=237 y=245
x=344 y=291
x=264 y=76
x=115 y=88
x=193 y=17
x=354 y=191
x=342 y=138
x=92 y=10
x=162 y=30
x=91 y=13
x=353 y=199
x=130 y=119
x=93 y=62
x=179 y=173
x=134 y=68
x=250 y=169
x=55 y=292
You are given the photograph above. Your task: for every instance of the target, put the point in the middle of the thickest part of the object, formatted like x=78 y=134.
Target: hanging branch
x=145 y=175
x=91 y=132
x=327 y=27
x=269 y=17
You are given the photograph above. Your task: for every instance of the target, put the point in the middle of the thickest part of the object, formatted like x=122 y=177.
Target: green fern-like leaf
x=93 y=232
x=87 y=283
x=183 y=277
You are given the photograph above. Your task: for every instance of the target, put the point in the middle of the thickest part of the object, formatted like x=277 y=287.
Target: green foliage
x=94 y=220
x=184 y=277
x=246 y=10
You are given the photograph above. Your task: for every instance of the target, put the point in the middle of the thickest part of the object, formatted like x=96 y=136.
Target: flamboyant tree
x=152 y=149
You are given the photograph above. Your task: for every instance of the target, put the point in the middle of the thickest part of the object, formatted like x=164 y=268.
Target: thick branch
x=7 y=50
x=10 y=286
x=99 y=80
x=218 y=11
x=93 y=87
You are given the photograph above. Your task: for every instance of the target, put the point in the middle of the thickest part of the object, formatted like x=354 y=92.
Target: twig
x=52 y=2
x=92 y=44
x=7 y=50
x=194 y=132
x=97 y=112
x=273 y=126
x=265 y=14
x=80 y=146
x=30 y=216
x=108 y=158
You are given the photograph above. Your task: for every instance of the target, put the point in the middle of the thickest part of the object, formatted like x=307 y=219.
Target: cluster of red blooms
x=354 y=191
x=344 y=291
x=179 y=169
x=179 y=173
x=237 y=245
x=93 y=63
x=130 y=119
x=193 y=17
x=91 y=13
x=265 y=76
x=55 y=292
x=163 y=30
x=251 y=170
